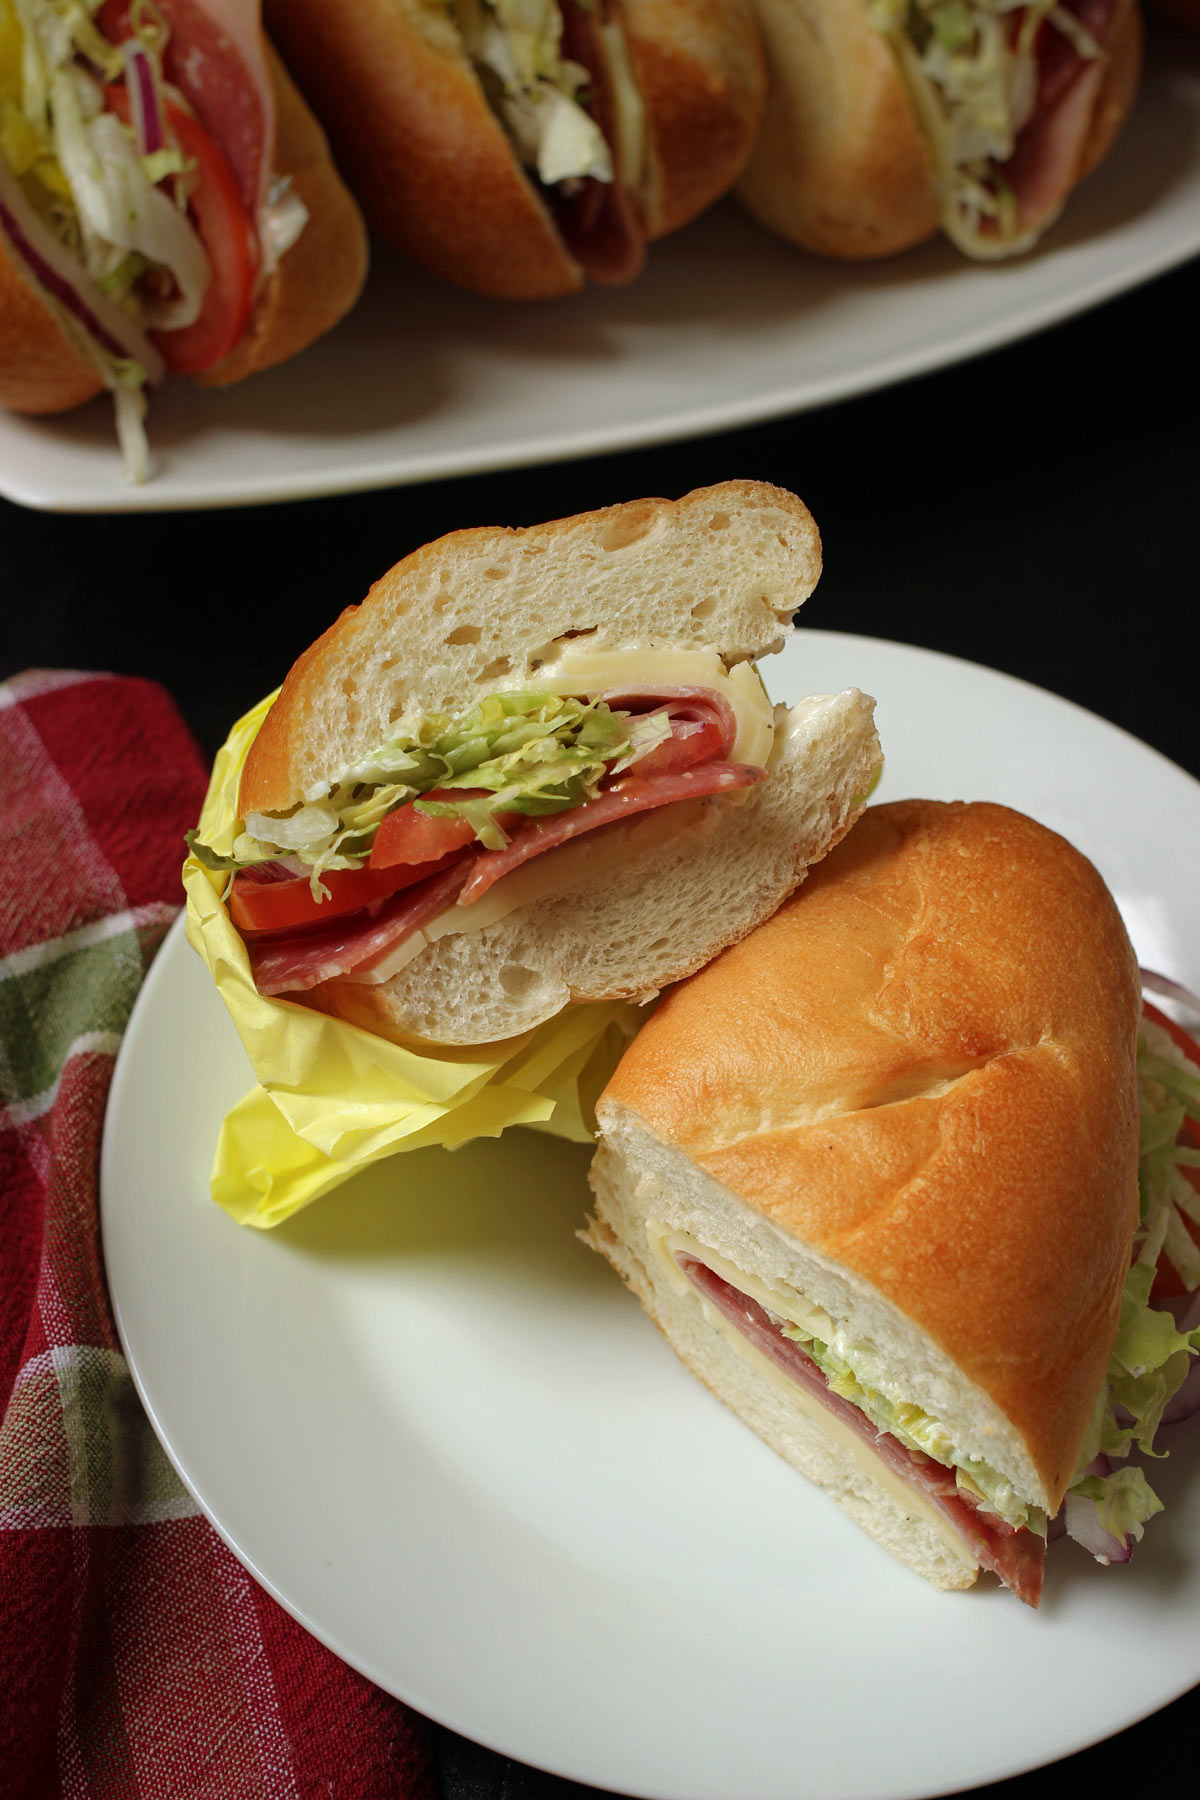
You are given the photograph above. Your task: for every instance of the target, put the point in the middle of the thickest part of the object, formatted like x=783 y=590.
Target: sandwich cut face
x=896 y=1131
x=604 y=662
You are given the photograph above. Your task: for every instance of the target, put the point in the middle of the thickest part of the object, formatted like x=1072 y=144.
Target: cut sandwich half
x=539 y=766
x=522 y=147
x=886 y=119
x=874 y=1174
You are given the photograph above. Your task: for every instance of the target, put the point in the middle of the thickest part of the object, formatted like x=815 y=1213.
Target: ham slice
x=1016 y=1556
x=623 y=800
x=300 y=960
x=596 y=219
x=1044 y=165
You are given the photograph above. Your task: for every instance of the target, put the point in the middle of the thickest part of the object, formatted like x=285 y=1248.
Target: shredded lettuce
x=972 y=76
x=1150 y=1358
x=1123 y=1501
x=79 y=170
x=916 y=1429
x=538 y=93
x=531 y=753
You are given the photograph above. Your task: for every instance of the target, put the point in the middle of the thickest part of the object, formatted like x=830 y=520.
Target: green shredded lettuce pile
x=539 y=94
x=531 y=753
x=1150 y=1358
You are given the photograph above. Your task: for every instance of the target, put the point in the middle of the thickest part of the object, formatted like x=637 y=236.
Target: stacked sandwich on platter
x=903 y=1178
x=168 y=203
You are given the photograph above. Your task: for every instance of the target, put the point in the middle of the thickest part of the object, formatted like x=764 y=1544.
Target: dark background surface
x=1037 y=510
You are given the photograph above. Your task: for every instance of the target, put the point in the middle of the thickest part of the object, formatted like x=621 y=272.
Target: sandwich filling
x=135 y=194
x=558 y=75
x=974 y=1504
x=359 y=877
x=1005 y=93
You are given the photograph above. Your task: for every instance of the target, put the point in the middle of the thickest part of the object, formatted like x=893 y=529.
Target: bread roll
x=431 y=161
x=909 y=1101
x=856 y=155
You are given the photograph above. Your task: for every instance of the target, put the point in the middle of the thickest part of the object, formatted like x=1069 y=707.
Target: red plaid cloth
x=138 y=1661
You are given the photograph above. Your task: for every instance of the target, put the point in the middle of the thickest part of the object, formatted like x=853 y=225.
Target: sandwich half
x=522 y=147
x=874 y=1174
x=886 y=119
x=167 y=206
x=539 y=766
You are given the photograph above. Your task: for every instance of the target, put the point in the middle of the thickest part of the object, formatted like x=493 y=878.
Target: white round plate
x=725 y=327
x=439 y=1430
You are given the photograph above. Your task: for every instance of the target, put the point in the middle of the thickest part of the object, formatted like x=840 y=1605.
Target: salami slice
x=596 y=219
x=623 y=800
x=1017 y=1556
x=296 y=962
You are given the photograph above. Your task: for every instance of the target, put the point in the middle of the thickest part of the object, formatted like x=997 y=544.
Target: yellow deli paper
x=333 y=1098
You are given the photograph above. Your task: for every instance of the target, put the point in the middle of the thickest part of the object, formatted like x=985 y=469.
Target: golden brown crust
x=700 y=71
x=40 y=369
x=841 y=166
x=924 y=1068
x=319 y=278
x=1114 y=102
x=420 y=146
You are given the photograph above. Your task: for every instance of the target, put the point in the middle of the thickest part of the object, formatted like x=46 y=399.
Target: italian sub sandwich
x=522 y=147
x=875 y=1175
x=539 y=766
x=886 y=119
x=167 y=205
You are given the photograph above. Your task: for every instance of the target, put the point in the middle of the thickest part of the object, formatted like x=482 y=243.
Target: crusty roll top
x=923 y=1068
x=723 y=568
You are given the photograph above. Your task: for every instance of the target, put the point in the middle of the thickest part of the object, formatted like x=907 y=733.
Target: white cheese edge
x=787 y=1304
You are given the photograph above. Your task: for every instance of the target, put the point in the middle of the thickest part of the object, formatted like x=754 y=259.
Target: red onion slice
x=1085 y=1528
x=145 y=101
x=53 y=269
x=1170 y=990
x=1083 y=1525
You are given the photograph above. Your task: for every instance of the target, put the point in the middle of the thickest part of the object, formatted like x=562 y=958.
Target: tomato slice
x=409 y=836
x=227 y=232
x=259 y=902
x=1167 y=1284
x=691 y=742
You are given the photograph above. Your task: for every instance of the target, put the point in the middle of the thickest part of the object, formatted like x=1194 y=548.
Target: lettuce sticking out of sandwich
x=897 y=1177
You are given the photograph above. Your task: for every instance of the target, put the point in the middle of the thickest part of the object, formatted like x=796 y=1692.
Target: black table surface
x=1036 y=510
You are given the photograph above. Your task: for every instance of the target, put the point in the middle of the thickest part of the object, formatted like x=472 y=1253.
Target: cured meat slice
x=703 y=726
x=623 y=800
x=214 y=57
x=596 y=219
x=1044 y=165
x=296 y=962
x=1017 y=1556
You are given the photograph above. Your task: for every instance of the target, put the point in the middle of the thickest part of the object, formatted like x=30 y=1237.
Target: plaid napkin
x=138 y=1661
